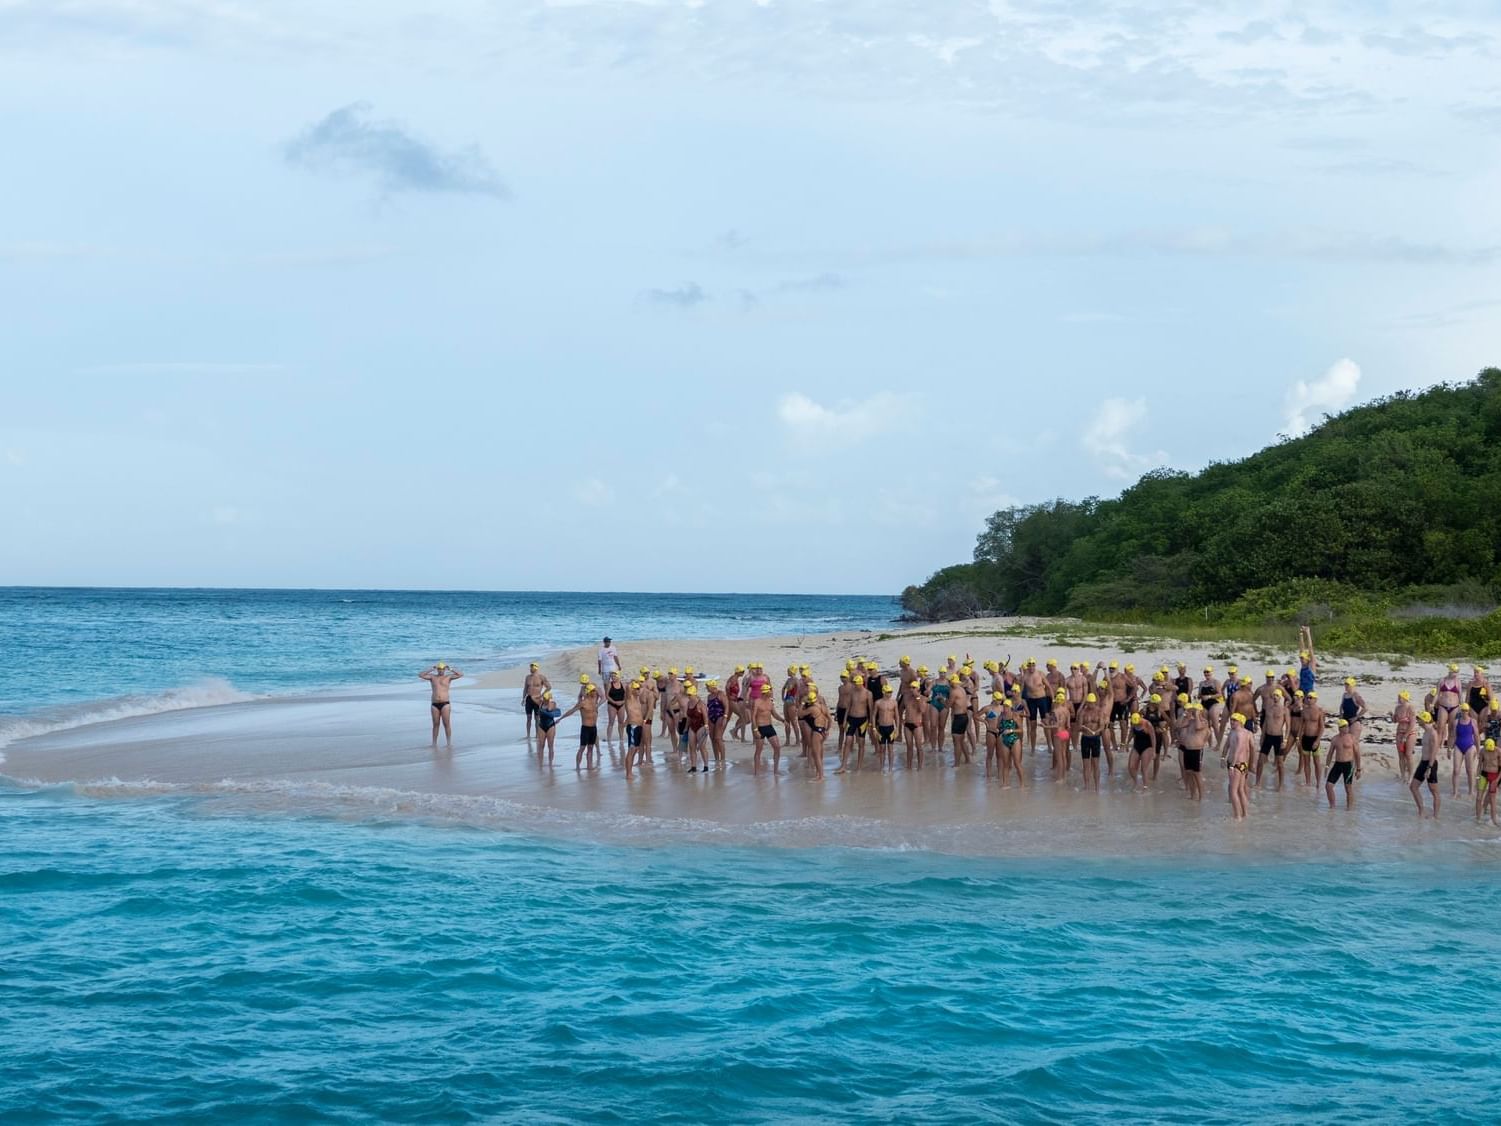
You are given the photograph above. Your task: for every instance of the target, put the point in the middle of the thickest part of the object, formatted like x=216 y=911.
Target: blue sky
x=723 y=296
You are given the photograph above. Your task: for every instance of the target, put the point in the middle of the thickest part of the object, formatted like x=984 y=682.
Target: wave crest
x=205 y=693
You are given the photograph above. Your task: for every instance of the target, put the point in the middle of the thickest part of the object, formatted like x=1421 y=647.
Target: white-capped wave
x=204 y=693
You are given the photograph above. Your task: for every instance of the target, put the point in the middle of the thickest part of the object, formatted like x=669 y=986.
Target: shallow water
x=159 y=957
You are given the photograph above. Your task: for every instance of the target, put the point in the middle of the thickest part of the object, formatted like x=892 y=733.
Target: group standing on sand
x=1090 y=714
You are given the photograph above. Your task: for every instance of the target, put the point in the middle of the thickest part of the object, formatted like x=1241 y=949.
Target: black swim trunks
x=1089 y=746
x=960 y=724
x=886 y=731
x=633 y=735
x=1039 y=706
x=767 y=731
x=1193 y=759
x=439 y=704
x=855 y=725
x=1272 y=745
x=531 y=706
x=588 y=735
x=1426 y=772
x=1341 y=771
x=1119 y=712
x=1308 y=743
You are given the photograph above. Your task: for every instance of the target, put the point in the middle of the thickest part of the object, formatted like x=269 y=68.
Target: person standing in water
x=531 y=694
x=1344 y=763
x=440 y=677
x=1238 y=758
x=1490 y=773
x=1426 y=737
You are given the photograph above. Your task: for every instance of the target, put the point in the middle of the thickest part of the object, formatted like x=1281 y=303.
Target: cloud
x=1108 y=437
x=178 y=368
x=845 y=423
x=689 y=295
x=819 y=283
x=1331 y=392
x=15 y=457
x=593 y=493
x=350 y=142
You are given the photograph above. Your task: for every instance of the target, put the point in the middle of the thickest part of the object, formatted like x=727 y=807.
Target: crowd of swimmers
x=1088 y=716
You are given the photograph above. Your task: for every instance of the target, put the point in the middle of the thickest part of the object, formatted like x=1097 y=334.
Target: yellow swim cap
x=1245 y=680
x=905 y=660
x=714 y=683
x=1091 y=699
x=1114 y=665
x=584 y=679
x=1135 y=717
x=1130 y=668
x=674 y=672
x=791 y=670
x=535 y=665
x=1344 y=723
x=635 y=684
x=688 y=671
x=887 y=690
x=1270 y=675
x=1052 y=664
x=1404 y=695
x=997 y=695
x=1453 y=668
x=1182 y=697
x=953 y=680
x=766 y=690
x=1426 y=717
x=1490 y=744
x=442 y=665
x=692 y=690
x=1350 y=680
x=739 y=668
x=859 y=680
x=1156 y=699
x=1060 y=695
x=813 y=693
x=1237 y=718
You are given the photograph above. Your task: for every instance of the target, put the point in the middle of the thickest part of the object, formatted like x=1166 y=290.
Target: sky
x=751 y=295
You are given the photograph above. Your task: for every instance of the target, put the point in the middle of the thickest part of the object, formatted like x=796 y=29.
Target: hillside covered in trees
x=1373 y=514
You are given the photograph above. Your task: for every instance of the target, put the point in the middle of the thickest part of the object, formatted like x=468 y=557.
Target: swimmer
x=1194 y=733
x=885 y=714
x=1237 y=758
x=697 y=719
x=615 y=716
x=1404 y=716
x=440 y=677
x=548 y=714
x=718 y=708
x=1427 y=737
x=1344 y=763
x=1143 y=748
x=1490 y=774
x=1276 y=734
x=764 y=715
x=959 y=719
x=1091 y=723
x=531 y=693
x=1309 y=736
x=587 y=707
x=635 y=723
x=818 y=721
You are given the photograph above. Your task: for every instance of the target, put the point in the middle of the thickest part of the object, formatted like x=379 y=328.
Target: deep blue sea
x=70 y=645
x=195 y=958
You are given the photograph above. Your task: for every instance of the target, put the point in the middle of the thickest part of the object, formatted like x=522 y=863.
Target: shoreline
x=364 y=754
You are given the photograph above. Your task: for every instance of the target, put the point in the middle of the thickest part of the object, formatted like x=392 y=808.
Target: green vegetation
x=1377 y=528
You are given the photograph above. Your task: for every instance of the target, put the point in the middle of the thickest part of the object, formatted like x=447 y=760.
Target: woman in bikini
x=1446 y=703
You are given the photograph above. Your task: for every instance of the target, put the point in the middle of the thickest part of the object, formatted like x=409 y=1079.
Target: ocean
x=211 y=953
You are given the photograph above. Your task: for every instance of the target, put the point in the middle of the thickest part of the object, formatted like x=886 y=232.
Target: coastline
x=363 y=754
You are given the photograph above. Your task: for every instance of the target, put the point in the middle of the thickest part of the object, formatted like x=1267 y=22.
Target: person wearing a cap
x=1237 y=759
x=1446 y=704
x=439 y=677
x=884 y=715
x=1039 y=699
x=1193 y=733
x=1490 y=775
x=1426 y=737
x=531 y=693
x=856 y=720
x=1310 y=734
x=587 y=707
x=816 y=717
x=1275 y=736
x=1308 y=662
x=636 y=727
x=764 y=717
x=1241 y=702
x=914 y=709
x=1344 y=763
x=792 y=693
x=609 y=661
x=1352 y=708
x=1405 y=719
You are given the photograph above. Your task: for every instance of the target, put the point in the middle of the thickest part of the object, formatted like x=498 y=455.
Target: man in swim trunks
x=856 y=723
x=1344 y=763
x=635 y=724
x=1237 y=760
x=1194 y=733
x=914 y=712
x=959 y=717
x=531 y=693
x=1090 y=721
x=1275 y=734
x=1309 y=736
x=764 y=717
x=1490 y=774
x=1427 y=738
x=440 y=677
x=885 y=710
x=1038 y=697
x=588 y=710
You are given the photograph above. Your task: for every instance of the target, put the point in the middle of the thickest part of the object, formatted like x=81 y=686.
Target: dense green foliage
x=1382 y=506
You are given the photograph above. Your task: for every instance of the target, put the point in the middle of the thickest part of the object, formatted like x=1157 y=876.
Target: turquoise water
x=168 y=958
x=79 y=646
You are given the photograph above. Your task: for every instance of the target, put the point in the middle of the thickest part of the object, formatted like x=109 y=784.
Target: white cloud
x=847 y=422
x=1109 y=434
x=1330 y=393
x=15 y=457
x=593 y=492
